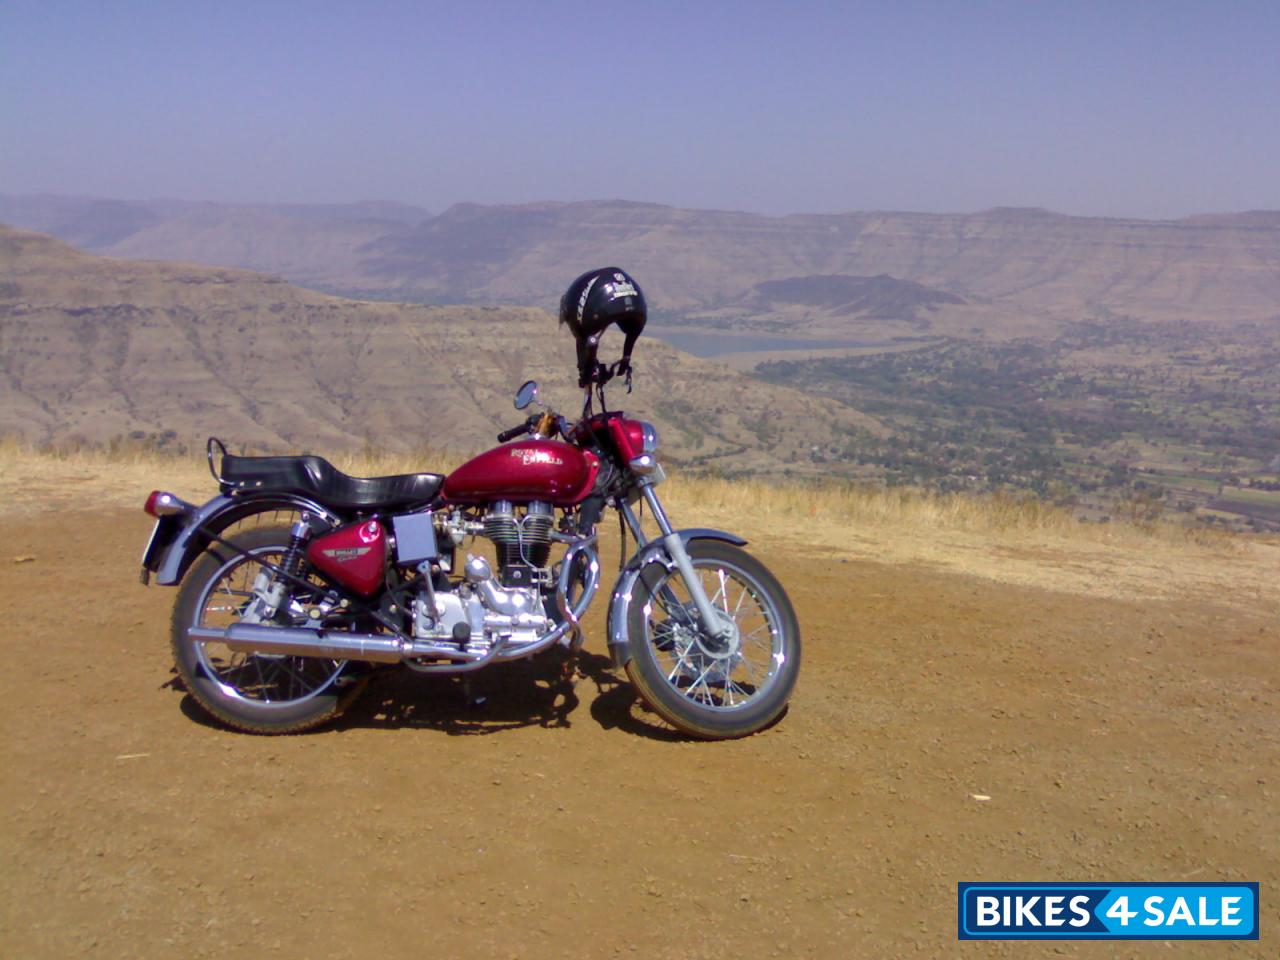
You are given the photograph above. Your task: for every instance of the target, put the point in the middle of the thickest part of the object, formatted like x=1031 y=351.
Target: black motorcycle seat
x=318 y=479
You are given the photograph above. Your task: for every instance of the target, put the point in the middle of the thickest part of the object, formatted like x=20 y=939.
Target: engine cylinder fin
x=520 y=540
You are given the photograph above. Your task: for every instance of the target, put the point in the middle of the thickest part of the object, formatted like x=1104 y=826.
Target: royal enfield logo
x=530 y=457
x=621 y=287
x=346 y=554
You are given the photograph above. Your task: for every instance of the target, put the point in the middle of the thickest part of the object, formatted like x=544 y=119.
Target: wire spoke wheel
x=257 y=692
x=715 y=674
x=264 y=679
x=709 y=685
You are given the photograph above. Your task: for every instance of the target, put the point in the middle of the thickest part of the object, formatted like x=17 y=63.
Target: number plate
x=162 y=536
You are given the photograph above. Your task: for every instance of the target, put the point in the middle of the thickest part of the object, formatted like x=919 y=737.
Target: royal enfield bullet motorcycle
x=276 y=627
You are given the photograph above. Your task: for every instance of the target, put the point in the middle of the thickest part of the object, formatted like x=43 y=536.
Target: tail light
x=161 y=504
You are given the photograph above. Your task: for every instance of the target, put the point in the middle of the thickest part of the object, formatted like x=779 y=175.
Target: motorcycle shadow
x=509 y=696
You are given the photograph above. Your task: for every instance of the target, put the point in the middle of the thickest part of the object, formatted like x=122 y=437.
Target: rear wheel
x=254 y=692
x=714 y=687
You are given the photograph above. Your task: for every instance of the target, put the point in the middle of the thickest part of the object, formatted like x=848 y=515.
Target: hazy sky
x=1153 y=109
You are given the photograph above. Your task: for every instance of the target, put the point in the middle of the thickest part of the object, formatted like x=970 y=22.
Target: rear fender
x=623 y=590
x=219 y=514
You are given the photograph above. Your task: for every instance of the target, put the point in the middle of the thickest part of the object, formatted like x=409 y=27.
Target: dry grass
x=35 y=478
x=1003 y=538
x=849 y=503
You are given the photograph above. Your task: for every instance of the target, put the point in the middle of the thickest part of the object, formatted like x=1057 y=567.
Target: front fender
x=218 y=514
x=619 y=642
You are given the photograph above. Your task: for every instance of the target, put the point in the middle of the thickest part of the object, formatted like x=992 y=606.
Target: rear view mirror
x=527 y=394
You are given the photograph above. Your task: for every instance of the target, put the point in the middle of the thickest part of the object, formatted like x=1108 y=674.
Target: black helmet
x=592 y=302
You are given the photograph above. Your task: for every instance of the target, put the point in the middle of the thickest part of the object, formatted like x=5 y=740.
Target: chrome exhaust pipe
x=332 y=645
x=305 y=642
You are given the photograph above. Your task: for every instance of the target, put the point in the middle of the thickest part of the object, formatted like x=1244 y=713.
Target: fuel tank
x=545 y=470
x=354 y=555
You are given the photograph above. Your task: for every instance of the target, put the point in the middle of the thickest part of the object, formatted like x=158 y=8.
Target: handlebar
x=514 y=432
x=545 y=424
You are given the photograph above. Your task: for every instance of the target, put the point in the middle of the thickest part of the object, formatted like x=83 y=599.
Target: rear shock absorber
x=295 y=557
x=272 y=588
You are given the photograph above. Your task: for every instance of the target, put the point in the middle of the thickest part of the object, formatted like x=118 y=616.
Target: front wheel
x=713 y=688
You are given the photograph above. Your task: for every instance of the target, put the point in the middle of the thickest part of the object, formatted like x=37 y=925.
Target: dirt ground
x=1116 y=740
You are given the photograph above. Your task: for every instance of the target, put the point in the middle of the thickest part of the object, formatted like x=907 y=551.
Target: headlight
x=646 y=465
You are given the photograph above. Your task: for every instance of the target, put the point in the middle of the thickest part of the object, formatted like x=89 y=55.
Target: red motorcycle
x=275 y=627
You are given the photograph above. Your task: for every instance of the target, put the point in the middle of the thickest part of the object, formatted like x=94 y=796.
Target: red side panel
x=529 y=470
x=354 y=555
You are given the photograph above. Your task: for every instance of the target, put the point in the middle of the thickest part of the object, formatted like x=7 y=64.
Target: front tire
x=255 y=693
x=706 y=688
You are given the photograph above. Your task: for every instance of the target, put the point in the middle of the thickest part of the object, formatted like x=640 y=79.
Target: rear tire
x=250 y=692
x=700 y=688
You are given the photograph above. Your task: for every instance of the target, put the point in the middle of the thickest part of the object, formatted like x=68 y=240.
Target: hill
x=92 y=348
x=851 y=295
x=306 y=243
x=837 y=305
x=1018 y=271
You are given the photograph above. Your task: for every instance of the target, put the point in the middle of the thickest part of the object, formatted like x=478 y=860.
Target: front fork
x=713 y=624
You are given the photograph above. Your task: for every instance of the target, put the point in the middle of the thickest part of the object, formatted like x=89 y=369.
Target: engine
x=485 y=608
x=523 y=543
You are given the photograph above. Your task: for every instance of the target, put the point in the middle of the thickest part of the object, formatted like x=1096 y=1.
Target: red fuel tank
x=354 y=555
x=528 y=470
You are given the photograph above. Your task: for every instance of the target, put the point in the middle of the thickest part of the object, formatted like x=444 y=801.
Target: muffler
x=305 y=642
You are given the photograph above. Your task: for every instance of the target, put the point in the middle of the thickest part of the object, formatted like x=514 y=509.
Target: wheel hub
x=725 y=646
x=698 y=655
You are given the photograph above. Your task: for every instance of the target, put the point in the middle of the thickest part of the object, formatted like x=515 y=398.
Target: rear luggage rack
x=222 y=448
x=227 y=486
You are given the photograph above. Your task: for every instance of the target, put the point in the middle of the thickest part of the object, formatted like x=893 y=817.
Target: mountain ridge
x=93 y=348
x=1020 y=271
